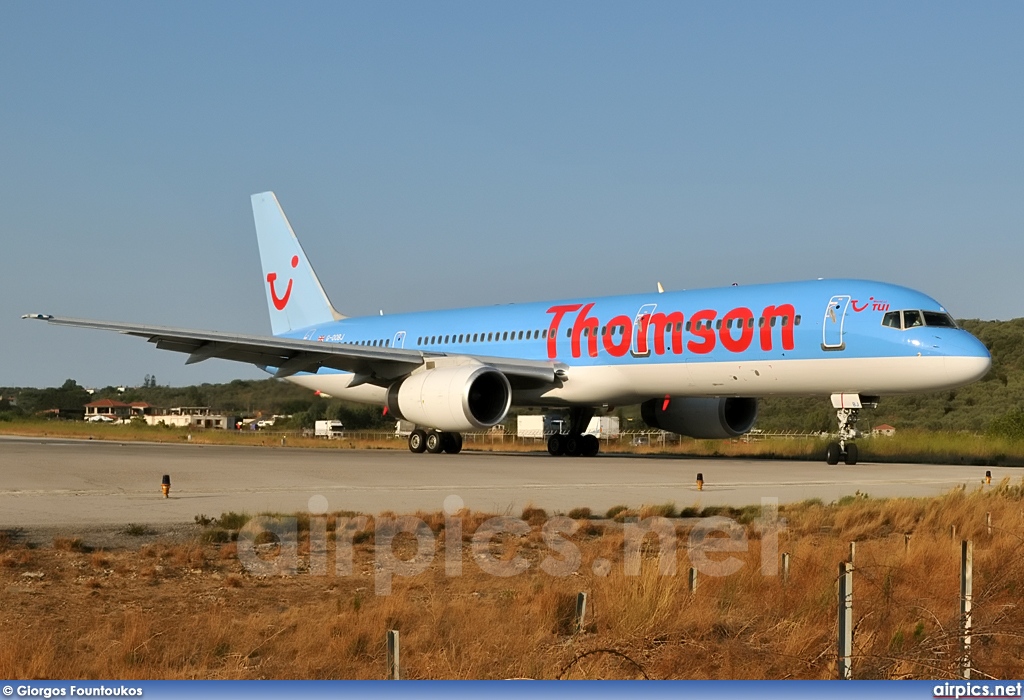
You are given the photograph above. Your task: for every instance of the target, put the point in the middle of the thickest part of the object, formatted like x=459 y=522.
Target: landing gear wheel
x=591 y=445
x=574 y=445
x=556 y=446
x=851 y=454
x=435 y=444
x=832 y=453
x=417 y=441
x=452 y=443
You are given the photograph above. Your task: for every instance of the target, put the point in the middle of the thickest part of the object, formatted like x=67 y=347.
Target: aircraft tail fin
x=295 y=297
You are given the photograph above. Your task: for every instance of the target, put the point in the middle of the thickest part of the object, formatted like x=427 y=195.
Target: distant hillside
x=974 y=408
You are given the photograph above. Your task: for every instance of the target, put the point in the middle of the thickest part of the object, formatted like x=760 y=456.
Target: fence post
x=966 y=595
x=952 y=532
x=393 y=656
x=906 y=542
x=693 y=579
x=785 y=568
x=853 y=551
x=988 y=523
x=581 y=610
x=845 y=621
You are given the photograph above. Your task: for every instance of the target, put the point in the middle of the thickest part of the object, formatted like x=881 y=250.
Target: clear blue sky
x=435 y=154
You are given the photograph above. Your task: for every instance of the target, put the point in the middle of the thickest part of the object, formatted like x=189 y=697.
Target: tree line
x=995 y=404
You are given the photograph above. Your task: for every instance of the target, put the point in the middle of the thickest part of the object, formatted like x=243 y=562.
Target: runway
x=45 y=482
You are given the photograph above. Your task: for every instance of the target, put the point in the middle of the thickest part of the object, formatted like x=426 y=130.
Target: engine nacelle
x=453 y=399
x=710 y=418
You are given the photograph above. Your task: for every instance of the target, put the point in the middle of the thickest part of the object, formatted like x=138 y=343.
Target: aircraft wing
x=288 y=356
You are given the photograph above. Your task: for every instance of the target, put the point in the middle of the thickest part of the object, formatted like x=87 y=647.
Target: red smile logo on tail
x=280 y=303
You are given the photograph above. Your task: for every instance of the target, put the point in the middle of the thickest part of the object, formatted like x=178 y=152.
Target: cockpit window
x=892 y=320
x=917 y=319
x=938 y=319
x=912 y=319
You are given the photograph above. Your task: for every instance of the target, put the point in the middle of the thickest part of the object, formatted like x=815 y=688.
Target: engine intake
x=453 y=399
x=705 y=418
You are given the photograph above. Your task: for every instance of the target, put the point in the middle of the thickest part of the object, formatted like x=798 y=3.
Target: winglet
x=295 y=297
x=38 y=317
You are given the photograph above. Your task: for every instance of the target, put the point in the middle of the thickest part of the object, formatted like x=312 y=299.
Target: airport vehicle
x=552 y=424
x=696 y=361
x=328 y=429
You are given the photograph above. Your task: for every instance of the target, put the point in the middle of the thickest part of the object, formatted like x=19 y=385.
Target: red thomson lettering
x=591 y=324
x=559 y=313
x=787 y=314
x=701 y=327
x=746 y=327
x=673 y=323
x=620 y=349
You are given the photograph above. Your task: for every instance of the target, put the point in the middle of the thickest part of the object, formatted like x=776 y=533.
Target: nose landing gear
x=848 y=408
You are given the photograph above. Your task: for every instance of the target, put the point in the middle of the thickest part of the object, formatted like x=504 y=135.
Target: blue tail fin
x=295 y=296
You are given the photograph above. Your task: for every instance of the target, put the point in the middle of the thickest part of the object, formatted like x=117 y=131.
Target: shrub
x=615 y=510
x=233 y=520
x=136 y=530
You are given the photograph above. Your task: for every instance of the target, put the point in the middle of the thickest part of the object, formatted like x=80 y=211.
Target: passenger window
x=568 y=332
x=504 y=335
x=773 y=321
x=785 y=321
x=912 y=319
x=527 y=335
x=520 y=335
x=892 y=320
x=687 y=325
x=796 y=321
x=489 y=337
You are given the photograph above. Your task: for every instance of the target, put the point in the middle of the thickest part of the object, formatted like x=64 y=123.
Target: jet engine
x=706 y=418
x=452 y=399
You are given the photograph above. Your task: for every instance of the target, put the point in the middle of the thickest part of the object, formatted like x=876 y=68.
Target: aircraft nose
x=967 y=359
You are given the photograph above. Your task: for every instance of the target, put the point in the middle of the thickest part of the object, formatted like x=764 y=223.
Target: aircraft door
x=644 y=349
x=399 y=341
x=835 y=319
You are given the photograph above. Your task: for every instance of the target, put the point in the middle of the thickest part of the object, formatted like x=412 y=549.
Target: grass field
x=907 y=446
x=191 y=610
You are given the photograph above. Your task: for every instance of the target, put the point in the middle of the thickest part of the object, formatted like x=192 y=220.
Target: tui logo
x=281 y=302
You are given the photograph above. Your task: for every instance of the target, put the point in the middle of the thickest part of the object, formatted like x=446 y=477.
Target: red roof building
x=107 y=407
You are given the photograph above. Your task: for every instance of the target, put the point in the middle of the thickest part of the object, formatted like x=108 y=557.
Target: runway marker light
x=165 y=485
x=700 y=481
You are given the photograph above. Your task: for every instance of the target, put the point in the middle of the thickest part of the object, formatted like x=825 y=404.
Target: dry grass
x=907 y=446
x=192 y=611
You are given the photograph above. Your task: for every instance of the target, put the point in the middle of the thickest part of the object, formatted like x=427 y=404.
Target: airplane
x=695 y=361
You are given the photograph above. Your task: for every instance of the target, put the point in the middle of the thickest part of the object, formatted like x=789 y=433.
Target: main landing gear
x=848 y=412
x=434 y=442
x=575 y=443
